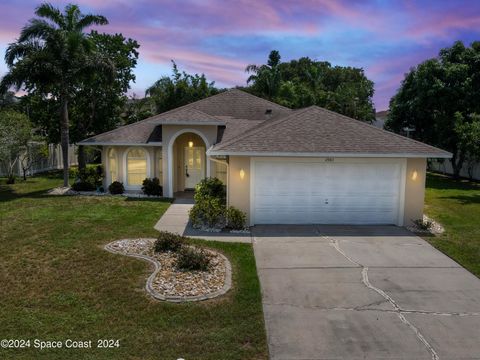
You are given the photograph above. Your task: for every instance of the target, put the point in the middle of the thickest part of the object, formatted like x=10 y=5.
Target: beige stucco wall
x=414 y=190
x=169 y=134
x=239 y=189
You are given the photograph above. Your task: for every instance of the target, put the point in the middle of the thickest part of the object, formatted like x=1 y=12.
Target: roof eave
x=445 y=155
x=118 y=143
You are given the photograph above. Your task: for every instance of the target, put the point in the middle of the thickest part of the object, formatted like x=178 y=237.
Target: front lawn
x=456 y=205
x=57 y=283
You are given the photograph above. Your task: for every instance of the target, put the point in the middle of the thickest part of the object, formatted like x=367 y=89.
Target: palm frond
x=89 y=20
x=252 y=68
x=20 y=50
x=50 y=12
x=36 y=29
x=72 y=15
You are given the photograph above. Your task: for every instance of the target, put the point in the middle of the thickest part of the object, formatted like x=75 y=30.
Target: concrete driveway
x=364 y=292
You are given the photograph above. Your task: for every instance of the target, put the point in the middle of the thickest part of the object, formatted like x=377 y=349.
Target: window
x=112 y=165
x=158 y=156
x=136 y=167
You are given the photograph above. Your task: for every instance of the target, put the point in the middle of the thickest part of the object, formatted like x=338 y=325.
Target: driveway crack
x=397 y=310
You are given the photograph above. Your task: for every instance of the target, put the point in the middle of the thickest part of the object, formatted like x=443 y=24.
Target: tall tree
x=438 y=98
x=101 y=97
x=179 y=89
x=266 y=79
x=304 y=82
x=52 y=53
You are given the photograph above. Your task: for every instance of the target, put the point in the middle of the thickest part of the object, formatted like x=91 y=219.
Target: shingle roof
x=241 y=105
x=183 y=116
x=315 y=130
x=137 y=133
x=209 y=111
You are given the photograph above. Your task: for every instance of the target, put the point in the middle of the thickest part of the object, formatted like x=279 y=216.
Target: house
x=280 y=166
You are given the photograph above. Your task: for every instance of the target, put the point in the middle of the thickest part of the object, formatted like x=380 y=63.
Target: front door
x=194 y=166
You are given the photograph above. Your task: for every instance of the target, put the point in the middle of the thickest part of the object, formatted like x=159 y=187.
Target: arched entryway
x=187 y=160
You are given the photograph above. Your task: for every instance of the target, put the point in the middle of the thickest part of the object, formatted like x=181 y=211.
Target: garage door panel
x=334 y=193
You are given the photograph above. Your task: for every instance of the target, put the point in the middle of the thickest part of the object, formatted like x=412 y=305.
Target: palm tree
x=266 y=78
x=52 y=53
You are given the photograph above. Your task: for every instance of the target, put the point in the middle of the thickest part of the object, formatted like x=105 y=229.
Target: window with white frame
x=136 y=167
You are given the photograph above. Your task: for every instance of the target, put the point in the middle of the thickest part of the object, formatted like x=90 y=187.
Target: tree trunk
x=64 y=138
x=458 y=159
x=82 y=163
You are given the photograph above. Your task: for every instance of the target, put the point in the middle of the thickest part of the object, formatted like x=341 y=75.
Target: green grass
x=57 y=283
x=456 y=205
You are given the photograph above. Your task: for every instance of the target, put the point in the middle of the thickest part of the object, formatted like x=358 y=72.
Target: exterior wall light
x=242 y=174
x=414 y=175
x=190 y=144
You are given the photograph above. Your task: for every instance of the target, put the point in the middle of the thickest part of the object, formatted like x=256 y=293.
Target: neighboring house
x=380 y=118
x=51 y=162
x=280 y=166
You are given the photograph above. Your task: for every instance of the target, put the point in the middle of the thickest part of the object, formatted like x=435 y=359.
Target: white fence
x=445 y=167
x=53 y=161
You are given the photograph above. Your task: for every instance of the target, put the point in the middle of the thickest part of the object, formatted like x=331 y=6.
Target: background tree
x=305 y=82
x=468 y=133
x=15 y=133
x=439 y=98
x=179 y=89
x=51 y=56
x=100 y=97
x=266 y=79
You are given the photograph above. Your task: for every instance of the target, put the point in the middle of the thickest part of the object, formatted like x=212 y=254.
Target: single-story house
x=280 y=166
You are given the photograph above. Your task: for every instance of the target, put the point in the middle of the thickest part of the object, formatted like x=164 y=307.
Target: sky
x=220 y=37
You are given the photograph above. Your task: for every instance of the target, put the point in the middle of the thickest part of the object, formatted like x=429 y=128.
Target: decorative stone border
x=177 y=299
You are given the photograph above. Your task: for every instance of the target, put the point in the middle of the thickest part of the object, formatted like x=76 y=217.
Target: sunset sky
x=220 y=37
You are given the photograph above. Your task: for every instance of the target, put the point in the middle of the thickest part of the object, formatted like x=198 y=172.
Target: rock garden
x=182 y=271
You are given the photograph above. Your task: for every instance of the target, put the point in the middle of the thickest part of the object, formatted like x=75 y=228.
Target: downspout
x=228 y=175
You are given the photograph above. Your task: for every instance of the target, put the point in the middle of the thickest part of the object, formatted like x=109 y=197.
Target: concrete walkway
x=175 y=220
x=364 y=292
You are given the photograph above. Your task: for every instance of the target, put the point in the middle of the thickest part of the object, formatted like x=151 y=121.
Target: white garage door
x=296 y=192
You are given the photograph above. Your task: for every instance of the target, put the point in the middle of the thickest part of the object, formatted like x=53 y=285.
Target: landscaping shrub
x=190 y=258
x=116 y=188
x=152 y=187
x=210 y=188
x=208 y=212
x=236 y=219
x=88 y=179
x=81 y=185
x=11 y=179
x=167 y=241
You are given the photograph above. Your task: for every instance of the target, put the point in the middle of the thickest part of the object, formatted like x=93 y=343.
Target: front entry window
x=112 y=165
x=136 y=167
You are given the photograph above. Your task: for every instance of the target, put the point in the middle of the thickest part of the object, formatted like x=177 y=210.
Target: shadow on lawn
x=465 y=200
x=443 y=182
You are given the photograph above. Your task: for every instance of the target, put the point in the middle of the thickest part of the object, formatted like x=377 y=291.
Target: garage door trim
x=400 y=161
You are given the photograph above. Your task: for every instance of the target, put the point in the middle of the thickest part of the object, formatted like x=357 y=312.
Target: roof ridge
x=258 y=97
x=173 y=111
x=260 y=126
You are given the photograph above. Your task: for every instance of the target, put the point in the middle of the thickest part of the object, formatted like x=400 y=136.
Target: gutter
x=444 y=155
